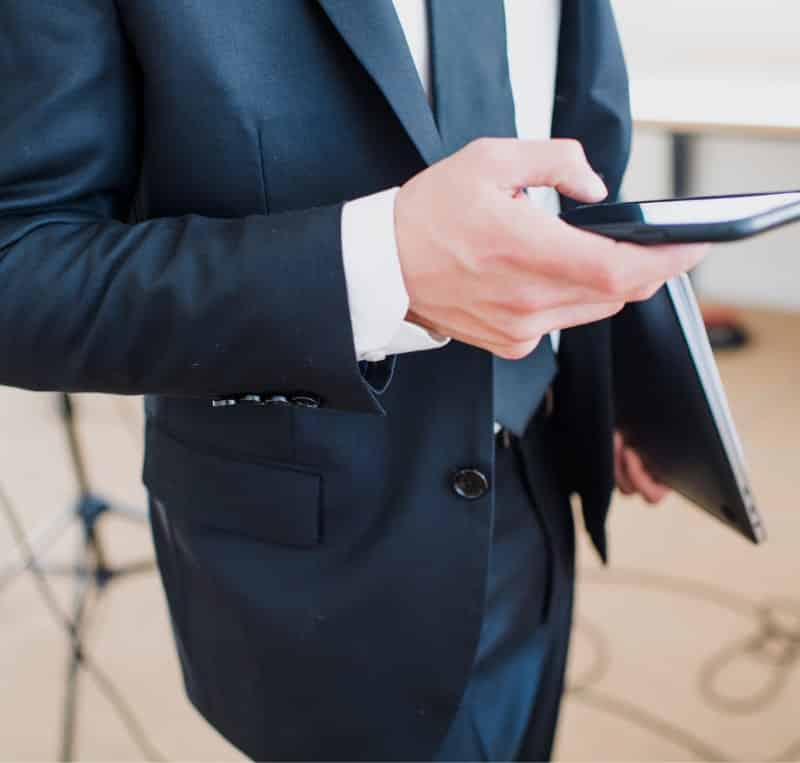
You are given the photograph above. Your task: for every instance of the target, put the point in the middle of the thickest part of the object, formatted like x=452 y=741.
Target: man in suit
x=301 y=228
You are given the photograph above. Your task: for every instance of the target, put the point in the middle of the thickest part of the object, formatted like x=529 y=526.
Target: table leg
x=724 y=330
x=683 y=146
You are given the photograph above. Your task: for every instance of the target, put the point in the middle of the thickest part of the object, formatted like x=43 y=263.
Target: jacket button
x=470 y=484
x=274 y=400
x=306 y=401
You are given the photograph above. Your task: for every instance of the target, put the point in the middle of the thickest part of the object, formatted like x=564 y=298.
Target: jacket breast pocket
x=275 y=503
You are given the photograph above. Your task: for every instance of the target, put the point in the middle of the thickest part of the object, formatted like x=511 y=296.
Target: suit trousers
x=510 y=708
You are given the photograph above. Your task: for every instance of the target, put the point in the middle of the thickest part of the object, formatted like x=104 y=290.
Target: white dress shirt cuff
x=376 y=293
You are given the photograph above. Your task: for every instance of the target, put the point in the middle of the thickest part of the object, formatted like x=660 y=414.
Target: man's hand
x=484 y=266
x=632 y=476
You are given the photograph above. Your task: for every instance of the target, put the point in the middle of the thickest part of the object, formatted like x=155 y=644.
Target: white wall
x=743 y=37
x=753 y=39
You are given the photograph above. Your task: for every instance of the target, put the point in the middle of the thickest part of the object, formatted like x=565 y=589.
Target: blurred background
x=688 y=646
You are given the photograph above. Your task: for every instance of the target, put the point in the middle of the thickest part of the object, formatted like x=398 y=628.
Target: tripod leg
x=74 y=664
x=79 y=467
x=39 y=542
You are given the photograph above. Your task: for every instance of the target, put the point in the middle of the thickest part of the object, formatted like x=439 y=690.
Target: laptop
x=671 y=406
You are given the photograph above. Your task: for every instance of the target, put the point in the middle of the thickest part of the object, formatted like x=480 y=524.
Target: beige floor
x=686 y=648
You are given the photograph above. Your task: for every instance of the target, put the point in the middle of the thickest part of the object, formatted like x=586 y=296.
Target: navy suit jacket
x=171 y=182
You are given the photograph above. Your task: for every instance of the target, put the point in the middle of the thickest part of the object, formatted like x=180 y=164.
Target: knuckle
x=573 y=151
x=508 y=352
x=485 y=149
x=515 y=332
x=609 y=279
x=522 y=301
x=517 y=350
x=644 y=293
x=520 y=330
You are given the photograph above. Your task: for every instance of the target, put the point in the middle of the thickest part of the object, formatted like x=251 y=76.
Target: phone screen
x=683 y=211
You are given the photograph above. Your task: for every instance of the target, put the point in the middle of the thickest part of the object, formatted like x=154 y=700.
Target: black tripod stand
x=92 y=574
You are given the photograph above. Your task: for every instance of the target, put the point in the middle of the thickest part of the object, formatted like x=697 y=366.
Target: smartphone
x=696 y=220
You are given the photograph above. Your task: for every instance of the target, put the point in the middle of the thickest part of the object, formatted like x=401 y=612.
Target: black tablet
x=701 y=219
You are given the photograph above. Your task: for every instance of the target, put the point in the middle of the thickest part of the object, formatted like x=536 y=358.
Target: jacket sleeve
x=190 y=306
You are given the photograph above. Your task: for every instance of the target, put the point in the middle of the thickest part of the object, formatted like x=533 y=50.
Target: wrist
x=403 y=222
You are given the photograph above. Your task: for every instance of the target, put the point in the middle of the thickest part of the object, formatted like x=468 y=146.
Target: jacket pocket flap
x=273 y=502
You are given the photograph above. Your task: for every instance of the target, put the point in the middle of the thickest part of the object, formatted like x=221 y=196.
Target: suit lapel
x=373 y=32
